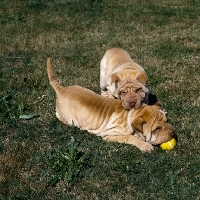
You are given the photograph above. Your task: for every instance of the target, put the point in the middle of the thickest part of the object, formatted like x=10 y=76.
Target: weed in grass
x=65 y=164
x=11 y=110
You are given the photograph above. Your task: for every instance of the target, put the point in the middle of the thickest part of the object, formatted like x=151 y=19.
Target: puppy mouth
x=153 y=143
x=132 y=104
x=135 y=104
x=127 y=106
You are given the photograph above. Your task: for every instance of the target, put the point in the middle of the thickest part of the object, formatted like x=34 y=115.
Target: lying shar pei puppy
x=124 y=79
x=107 y=118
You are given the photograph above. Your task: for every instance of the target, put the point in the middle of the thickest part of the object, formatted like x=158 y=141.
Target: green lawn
x=162 y=36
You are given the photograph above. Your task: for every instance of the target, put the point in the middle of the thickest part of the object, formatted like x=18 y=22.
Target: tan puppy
x=107 y=118
x=124 y=79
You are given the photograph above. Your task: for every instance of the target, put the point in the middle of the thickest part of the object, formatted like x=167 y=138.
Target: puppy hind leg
x=61 y=119
x=103 y=80
x=146 y=99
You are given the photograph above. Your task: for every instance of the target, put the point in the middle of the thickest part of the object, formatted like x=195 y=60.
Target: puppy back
x=52 y=79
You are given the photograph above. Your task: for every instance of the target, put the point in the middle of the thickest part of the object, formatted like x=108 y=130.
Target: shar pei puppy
x=107 y=118
x=122 y=78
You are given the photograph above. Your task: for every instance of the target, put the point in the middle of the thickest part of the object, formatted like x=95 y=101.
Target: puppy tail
x=52 y=79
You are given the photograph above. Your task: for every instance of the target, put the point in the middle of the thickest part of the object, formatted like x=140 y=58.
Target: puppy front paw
x=104 y=93
x=146 y=147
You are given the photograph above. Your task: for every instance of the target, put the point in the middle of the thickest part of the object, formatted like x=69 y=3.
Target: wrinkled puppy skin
x=122 y=78
x=106 y=117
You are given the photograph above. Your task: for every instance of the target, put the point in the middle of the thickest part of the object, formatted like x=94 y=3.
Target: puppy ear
x=142 y=78
x=114 y=78
x=148 y=128
x=137 y=124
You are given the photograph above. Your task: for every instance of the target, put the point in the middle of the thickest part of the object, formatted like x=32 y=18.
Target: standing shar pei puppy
x=124 y=79
x=107 y=118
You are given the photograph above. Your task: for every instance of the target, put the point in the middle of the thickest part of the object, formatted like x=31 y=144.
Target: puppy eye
x=139 y=90
x=157 y=129
x=123 y=93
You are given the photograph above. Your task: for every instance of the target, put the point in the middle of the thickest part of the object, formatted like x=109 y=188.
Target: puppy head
x=130 y=88
x=151 y=125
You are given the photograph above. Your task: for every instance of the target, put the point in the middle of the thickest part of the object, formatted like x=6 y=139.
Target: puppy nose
x=173 y=133
x=132 y=103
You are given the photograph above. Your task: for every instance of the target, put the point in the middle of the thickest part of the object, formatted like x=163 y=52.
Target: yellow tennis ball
x=168 y=145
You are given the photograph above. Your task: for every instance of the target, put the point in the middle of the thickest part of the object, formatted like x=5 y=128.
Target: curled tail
x=52 y=79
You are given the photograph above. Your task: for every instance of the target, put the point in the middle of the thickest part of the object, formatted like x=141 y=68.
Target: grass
x=162 y=36
x=65 y=164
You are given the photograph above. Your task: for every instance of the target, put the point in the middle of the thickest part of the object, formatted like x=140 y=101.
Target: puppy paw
x=146 y=147
x=104 y=93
